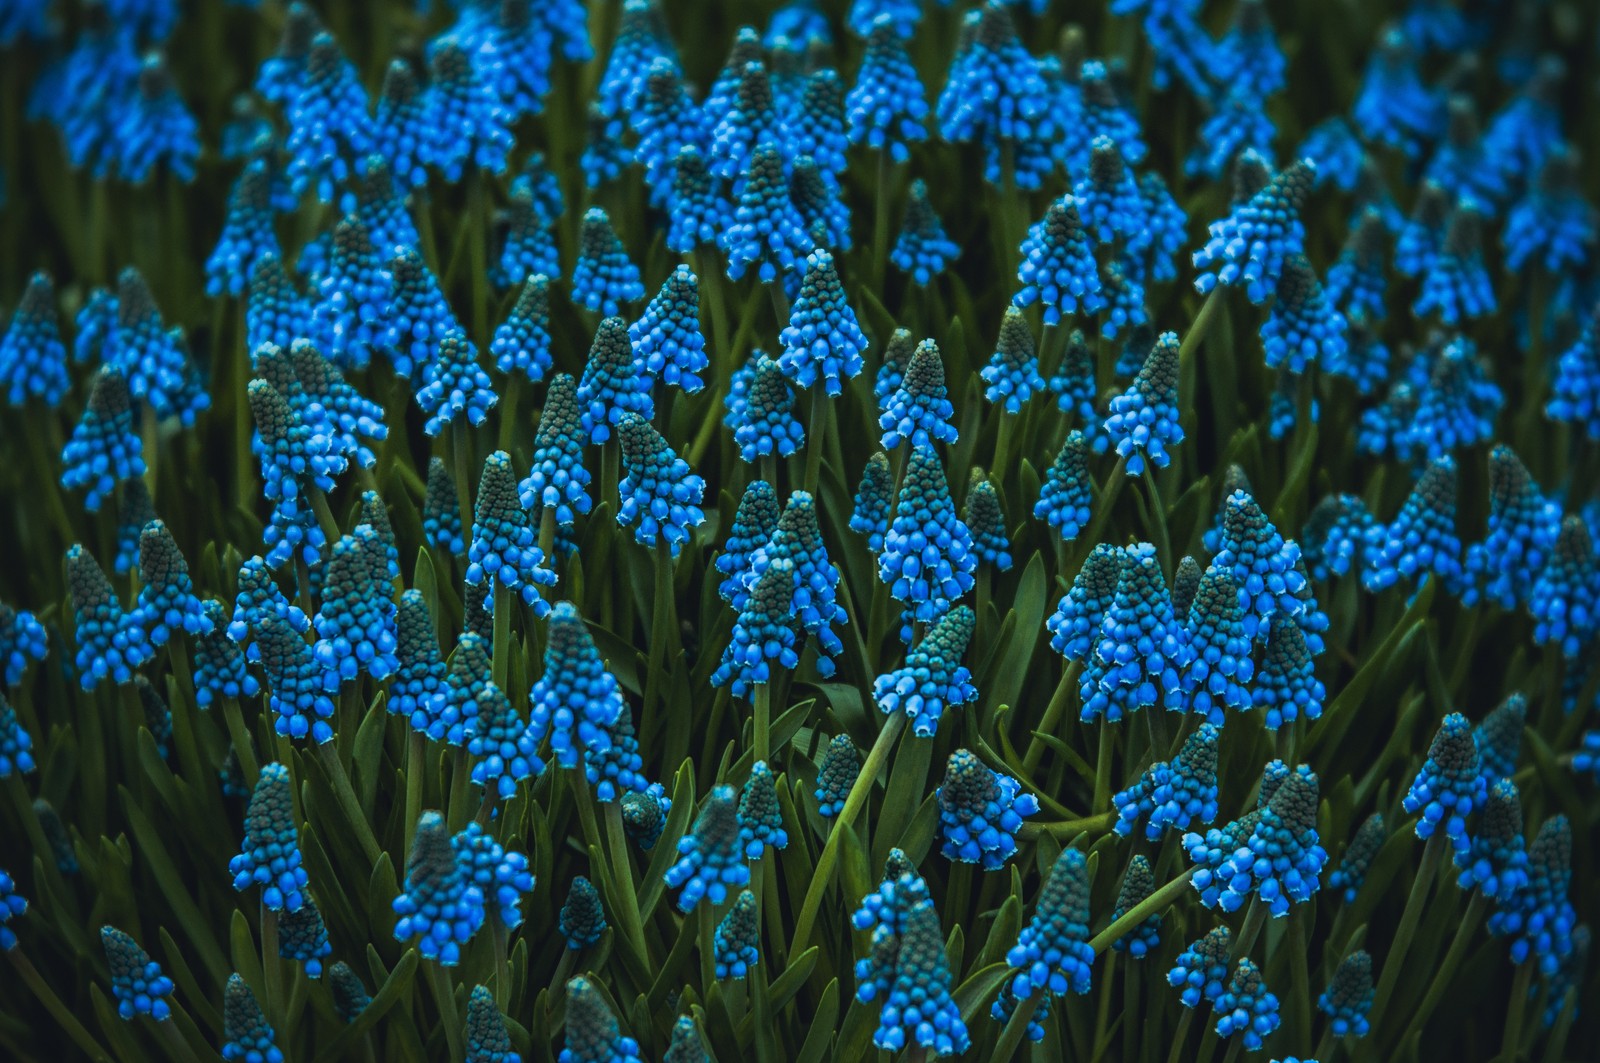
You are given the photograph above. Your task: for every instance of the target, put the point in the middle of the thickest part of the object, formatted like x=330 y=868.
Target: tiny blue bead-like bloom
x=1108 y=199
x=350 y=318
x=1012 y=374
x=441 y=515
x=1074 y=386
x=667 y=342
x=350 y=416
x=659 y=493
x=298 y=687
x=820 y=129
x=987 y=523
x=356 y=622
x=797 y=537
x=22 y=638
x=615 y=770
x=612 y=386
x=734 y=948
x=1421 y=239
x=104 y=448
x=1302 y=326
x=303 y=938
x=154 y=128
x=644 y=815
x=1246 y=1007
x=505 y=546
x=110 y=643
x=1220 y=665
x=980 y=812
x=873 y=498
x=454 y=717
x=1394 y=108
x=1348 y=997
x=933 y=677
x=1280 y=860
x=419 y=682
x=1058 y=268
x=711 y=859
x=1174 y=794
x=13 y=906
x=328 y=123
x=763 y=632
x=1052 y=953
x=248 y=231
x=836 y=775
x=219 y=664
x=275 y=311
x=1421 y=540
x=95 y=321
x=1075 y=625
x=767 y=424
x=1553 y=225
x=417 y=317
x=1575 y=389
x=822 y=342
x=1540 y=918
x=1449 y=785
x=464 y=118
x=1064 y=497
x=928 y=557
x=1104 y=114
x=592 y=1033
x=515 y=55
x=887 y=108
x=1248 y=54
x=920 y=412
x=1262 y=563
x=1138 y=883
x=455 y=384
x=668 y=121
x=270 y=854
x=576 y=701
x=441 y=906
x=137 y=984
x=1457 y=401
x=1201 y=970
x=1495 y=862
x=922 y=249
x=486 y=1038
x=16 y=744
x=1336 y=150
x=1286 y=685
x=134 y=511
x=1522 y=531
x=605 y=155
x=247 y=1037
x=917 y=1007
x=558 y=479
x=582 y=920
x=699 y=213
x=33 y=360
x=604 y=277
x=529 y=250
x=154 y=359
x=753 y=524
x=295 y=459
x=1358 y=279
x=1124 y=310
x=401 y=126
x=1460 y=164
x=499 y=873
x=1250 y=246
x=1563 y=600
x=522 y=342
x=1141 y=650
x=760 y=819
x=1238 y=123
x=167 y=603
x=748 y=122
x=1456 y=285
x=1142 y=422
x=1351 y=873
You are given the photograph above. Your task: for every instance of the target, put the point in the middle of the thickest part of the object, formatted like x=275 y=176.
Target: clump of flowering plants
x=876 y=527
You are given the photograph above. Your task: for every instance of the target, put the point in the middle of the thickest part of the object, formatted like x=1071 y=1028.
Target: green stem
x=47 y=996
x=445 y=997
x=503 y=646
x=1182 y=1034
x=880 y=222
x=345 y=795
x=416 y=772
x=1511 y=1043
x=1432 y=854
x=325 y=519
x=272 y=968
x=761 y=706
x=1158 y=520
x=1102 y=1016
x=1152 y=905
x=661 y=625
x=1202 y=324
x=1016 y=1027
x=814 y=440
x=1254 y=919
x=1002 y=446
x=1052 y=716
x=1102 y=769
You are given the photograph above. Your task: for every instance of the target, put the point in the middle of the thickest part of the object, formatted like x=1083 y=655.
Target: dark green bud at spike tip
x=1185 y=584
x=475 y=615
x=1502 y=820
x=350 y=996
x=1158 y=379
x=897 y=864
x=643 y=818
x=1293 y=185
x=1499 y=736
x=1464 y=238
x=1295 y=802
x=1137 y=883
x=591 y=1027
x=1352 y=979
x=243 y=1023
x=897 y=352
x=1453 y=748
x=160 y=560
x=969 y=786
x=157 y=717
x=497 y=501
x=1251 y=173
x=1066 y=891
x=1015 y=344
x=686 y=1045
x=1550 y=855
x=432 y=861
x=1432 y=206
x=86 y=581
x=487 y=1039
x=982 y=514
x=582 y=918
x=62 y=851
x=836 y=775
x=134 y=301
x=925 y=374
x=1462 y=129
x=1106 y=165
x=273 y=418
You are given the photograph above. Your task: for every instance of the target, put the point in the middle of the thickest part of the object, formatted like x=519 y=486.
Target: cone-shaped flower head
x=155 y=128
x=1358 y=279
x=441 y=906
x=110 y=643
x=247 y=1037
x=1246 y=1007
x=270 y=855
x=1173 y=795
x=1523 y=527
x=504 y=544
x=33 y=360
x=282 y=73
x=735 y=947
x=995 y=95
x=530 y=249
x=1064 y=497
x=157 y=717
x=582 y=920
x=1013 y=370
x=887 y=107
x=1456 y=284
x=1302 y=326
x=1336 y=536
x=1553 y=225
x=933 y=677
x=822 y=343
x=1251 y=245
x=928 y=557
x=1450 y=785
x=1394 y=108
x=441 y=516
x=1201 y=970
x=501 y=874
x=1052 y=953
x=892 y=370
x=667 y=120
x=923 y=249
x=1220 y=665
x=746 y=122
x=558 y=479
x=1499 y=738
x=1141 y=651
x=1348 y=997
x=659 y=493
x=764 y=631
x=1058 y=268
x=105 y=448
x=699 y=213
x=296 y=457
x=612 y=387
x=767 y=229
x=980 y=811
x=870 y=517
x=666 y=339
x=644 y=815
x=604 y=277
x=328 y=123
x=464 y=119
x=576 y=701
x=1540 y=919
x=356 y=624
x=1185 y=586
x=1109 y=201
x=836 y=775
x=506 y=751
x=298 y=687
x=418 y=317
x=350 y=996
x=987 y=522
x=486 y=1038
x=615 y=769
x=767 y=423
x=275 y=311
x=455 y=385
x=248 y=231
x=1138 y=882
x=1421 y=540
x=167 y=602
x=710 y=857
x=260 y=595
x=1562 y=602
x=1143 y=421
x=1496 y=862
x=137 y=983
x=592 y=1033
x=1075 y=625
x=303 y=938
x=1286 y=686
x=1351 y=873
x=917 y=1007
x=753 y=524
x=1261 y=562
x=760 y=819
x=16 y=745
x=13 y=906
x=919 y=410
x=1280 y=861
x=820 y=131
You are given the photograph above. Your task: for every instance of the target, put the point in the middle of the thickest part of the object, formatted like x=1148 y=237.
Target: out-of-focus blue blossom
x=153 y=359
x=87 y=92
x=668 y=122
x=328 y=123
x=1250 y=246
x=604 y=277
x=1108 y=199
x=417 y=318
x=933 y=677
x=614 y=770
x=820 y=129
x=1539 y=918
x=455 y=385
x=110 y=644
x=270 y=853
x=1201 y=970
x=24 y=20
x=1456 y=284
x=641 y=37
x=1124 y=311
x=1553 y=225
x=698 y=211
x=1421 y=540
x=821 y=206
x=137 y=983
x=1358 y=279
x=749 y=122
x=419 y=681
x=402 y=129
x=515 y=57
x=154 y=127
x=104 y=448
x=1564 y=594
x=348 y=320
x=463 y=118
x=530 y=247
x=1495 y=862
x=1238 y=122
x=710 y=858
x=1458 y=404
x=887 y=108
x=1460 y=165
x=1351 y=873
x=1422 y=238
x=1246 y=1007
x=247 y=1037
x=612 y=387
x=920 y=412
x=1527 y=130
x=441 y=906
x=275 y=311
x=1058 y=267
x=1074 y=387
x=980 y=812
x=995 y=96
x=1499 y=738
x=922 y=249
x=248 y=234
x=16 y=744
x=33 y=360
x=1522 y=532
x=928 y=558
x=1348 y=997
x=1302 y=325
x=1104 y=115
x=644 y=815
x=722 y=96
x=658 y=492
x=822 y=342
x=504 y=546
x=1143 y=421
x=1394 y=109
x=902 y=17
x=1575 y=390
x=1165 y=230
x=1173 y=795
x=258 y=596
x=441 y=517
x=1334 y=147
x=1075 y=625
x=558 y=479
x=892 y=370
x=1140 y=651
x=1247 y=55
x=356 y=623
x=1336 y=536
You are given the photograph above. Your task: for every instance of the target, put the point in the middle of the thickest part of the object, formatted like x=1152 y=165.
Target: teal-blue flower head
x=745 y=122
x=13 y=906
x=1220 y=666
x=1185 y=585
x=110 y=643
x=441 y=515
x=767 y=423
x=753 y=524
x=1201 y=970
x=644 y=815
x=270 y=854
x=1143 y=421
x=505 y=751
x=155 y=128
x=137 y=983
x=1173 y=795
x=666 y=339
x=823 y=209
x=1348 y=997
x=836 y=775
x=558 y=479
x=987 y=522
x=1058 y=267
x=303 y=938
x=104 y=448
x=760 y=819
x=282 y=73
x=157 y=716
x=736 y=944
x=822 y=342
x=592 y=1033
x=1064 y=497
x=582 y=920
x=870 y=516
x=275 y=311
x=33 y=360
x=767 y=230
x=1075 y=625
x=1421 y=540
x=933 y=677
x=917 y=1007
x=1575 y=391
x=614 y=770
x=995 y=95
x=604 y=277
x=1499 y=738
x=248 y=231
x=980 y=812
x=1540 y=919
x=928 y=557
x=350 y=996
x=612 y=387
x=668 y=121
x=16 y=745
x=1246 y=1007
x=1421 y=240
x=699 y=210
x=1052 y=953
x=1394 y=109
x=328 y=123
x=920 y=410
x=1351 y=873
x=887 y=107
x=1336 y=536
x=1456 y=285
x=247 y=1037
x=892 y=370
x=417 y=314
x=464 y=120
x=1280 y=860
x=764 y=631
x=1261 y=562
x=1138 y=883
x=298 y=688
x=1450 y=785
x=455 y=385
x=1302 y=326
x=504 y=546
x=1250 y=246
x=923 y=249
x=1286 y=686
x=486 y=1038
x=1553 y=225
x=501 y=874
x=1523 y=526
x=1496 y=861
x=441 y=907
x=258 y=595
x=1141 y=650
x=710 y=857
x=576 y=701
x=1012 y=374
x=167 y=604
x=356 y=623
x=1358 y=279
x=350 y=318
x=659 y=493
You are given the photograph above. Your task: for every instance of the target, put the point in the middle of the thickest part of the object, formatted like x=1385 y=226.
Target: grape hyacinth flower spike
x=737 y=937
x=1250 y=246
x=1302 y=327
x=1496 y=860
x=1220 y=665
x=614 y=770
x=592 y=1033
x=441 y=516
x=248 y=231
x=576 y=701
x=441 y=907
x=767 y=230
x=1522 y=532
x=766 y=425
x=873 y=498
x=455 y=385
x=418 y=316
x=980 y=811
x=1075 y=625
x=1138 y=883
x=764 y=632
x=110 y=643
x=33 y=360
x=933 y=677
x=659 y=493
x=137 y=983
x=822 y=342
x=270 y=855
x=328 y=123
x=928 y=558
x=501 y=874
x=1456 y=285
x=1351 y=873
x=463 y=118
x=1173 y=795
x=1058 y=268
x=167 y=602
x=1246 y=1007
x=710 y=858
x=349 y=319
x=1264 y=565
x=987 y=522
x=1280 y=861
x=604 y=277
x=923 y=249
x=1201 y=970
x=505 y=750
x=16 y=744
x=836 y=775
x=1141 y=650
x=760 y=818
x=1540 y=918
x=504 y=549
x=666 y=339
x=887 y=108
x=486 y=1038
x=1012 y=374
x=247 y=1037
x=1421 y=540
x=582 y=920
x=753 y=524
x=916 y=1003
x=1553 y=225
x=1143 y=421
x=356 y=622
x=1065 y=495
x=298 y=688
x=558 y=480
x=920 y=411
x=611 y=387
x=105 y=448
x=1450 y=785
x=1052 y=953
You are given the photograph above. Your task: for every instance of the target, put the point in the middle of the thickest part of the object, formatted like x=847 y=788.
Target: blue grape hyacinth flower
x=417 y=316
x=355 y=625
x=836 y=775
x=582 y=921
x=920 y=412
x=522 y=341
x=1286 y=685
x=1450 y=785
x=328 y=122
x=1058 y=268
x=1075 y=625
x=33 y=360
x=1351 y=874
x=349 y=319
x=1394 y=109
x=1522 y=530
x=916 y=1002
x=501 y=741
x=767 y=424
x=753 y=524
x=1141 y=650
x=922 y=249
x=153 y=358
x=1246 y=1007
x=1250 y=246
x=763 y=632
x=1220 y=666
x=760 y=818
x=996 y=96
x=822 y=342
x=167 y=604
x=873 y=500
x=558 y=480
x=154 y=128
x=1012 y=374
x=137 y=982
x=486 y=1038
x=441 y=515
x=710 y=857
x=1302 y=327
x=611 y=388
x=1280 y=860
x=1201 y=970
x=419 y=681
x=1496 y=862
x=1065 y=495
x=668 y=121
x=933 y=677
x=247 y=1037
x=698 y=210
x=659 y=493
x=667 y=341
x=529 y=249
x=987 y=522
x=303 y=938
x=592 y=1033
x=16 y=745
x=463 y=119
x=1262 y=563
x=501 y=874
x=1540 y=918
x=735 y=943
x=1143 y=421
x=614 y=770
x=1358 y=280
x=1456 y=286
x=1138 y=883
x=110 y=643
x=248 y=231
x=22 y=638
x=298 y=688
x=504 y=546
x=440 y=906
x=1553 y=225
x=1052 y=953
x=748 y=121
x=455 y=385
x=980 y=812
x=576 y=701
x=1173 y=794
x=1575 y=389
x=1422 y=539
x=767 y=230
x=928 y=557
x=604 y=277
x=887 y=107
x=104 y=448
x=270 y=854
x=1562 y=602
x=1333 y=145
x=275 y=311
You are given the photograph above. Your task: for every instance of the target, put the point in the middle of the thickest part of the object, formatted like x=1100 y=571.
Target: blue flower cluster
x=980 y=811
